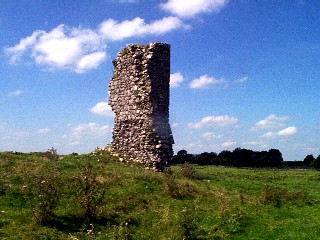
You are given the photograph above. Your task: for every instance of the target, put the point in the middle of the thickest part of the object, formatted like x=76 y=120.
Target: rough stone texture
x=139 y=97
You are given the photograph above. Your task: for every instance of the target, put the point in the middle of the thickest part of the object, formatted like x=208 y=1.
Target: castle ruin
x=139 y=97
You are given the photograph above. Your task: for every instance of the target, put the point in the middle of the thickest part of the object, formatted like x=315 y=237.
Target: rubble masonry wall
x=139 y=97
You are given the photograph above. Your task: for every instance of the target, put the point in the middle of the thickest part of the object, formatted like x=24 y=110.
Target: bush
x=179 y=189
x=188 y=171
x=278 y=195
x=91 y=191
x=4 y=184
x=52 y=154
x=121 y=232
x=44 y=194
x=188 y=225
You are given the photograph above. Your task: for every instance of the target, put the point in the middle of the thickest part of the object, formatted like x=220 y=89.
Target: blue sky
x=243 y=73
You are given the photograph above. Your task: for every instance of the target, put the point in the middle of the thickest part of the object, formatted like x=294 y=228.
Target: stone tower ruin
x=139 y=97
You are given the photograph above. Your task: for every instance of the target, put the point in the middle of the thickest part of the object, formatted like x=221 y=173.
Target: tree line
x=240 y=157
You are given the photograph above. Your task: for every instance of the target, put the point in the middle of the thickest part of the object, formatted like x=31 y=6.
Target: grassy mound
x=96 y=197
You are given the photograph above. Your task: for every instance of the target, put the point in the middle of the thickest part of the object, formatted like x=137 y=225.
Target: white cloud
x=211 y=135
x=90 y=61
x=165 y=25
x=220 y=121
x=113 y=30
x=205 y=81
x=198 y=145
x=83 y=133
x=268 y=135
x=15 y=93
x=55 y=48
x=228 y=144
x=253 y=143
x=313 y=149
x=242 y=80
x=44 y=130
x=176 y=79
x=76 y=48
x=183 y=8
x=282 y=133
x=174 y=125
x=12 y=133
x=90 y=129
x=260 y=145
x=17 y=51
x=287 y=132
x=102 y=109
x=81 y=49
x=18 y=134
x=272 y=121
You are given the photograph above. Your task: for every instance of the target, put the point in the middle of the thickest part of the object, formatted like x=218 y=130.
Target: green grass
x=101 y=198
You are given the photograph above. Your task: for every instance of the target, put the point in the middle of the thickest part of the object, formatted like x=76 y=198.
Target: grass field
x=44 y=196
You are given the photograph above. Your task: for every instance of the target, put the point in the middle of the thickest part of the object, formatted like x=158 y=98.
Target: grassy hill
x=45 y=196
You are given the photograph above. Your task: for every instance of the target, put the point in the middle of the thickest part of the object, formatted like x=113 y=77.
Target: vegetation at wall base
x=97 y=197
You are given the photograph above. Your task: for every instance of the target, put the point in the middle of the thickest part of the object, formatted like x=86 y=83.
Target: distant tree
x=205 y=158
x=308 y=159
x=248 y=158
x=182 y=157
x=316 y=163
x=239 y=157
x=261 y=159
x=182 y=152
x=274 y=158
x=243 y=157
x=225 y=158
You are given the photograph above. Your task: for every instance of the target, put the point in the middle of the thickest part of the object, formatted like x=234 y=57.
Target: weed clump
x=91 y=191
x=4 y=183
x=188 y=225
x=52 y=154
x=43 y=194
x=277 y=196
x=121 y=232
x=231 y=216
x=188 y=171
x=178 y=188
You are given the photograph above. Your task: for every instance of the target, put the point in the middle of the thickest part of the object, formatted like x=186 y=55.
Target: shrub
x=179 y=189
x=188 y=225
x=278 y=195
x=52 y=154
x=233 y=220
x=4 y=184
x=44 y=194
x=121 y=232
x=188 y=171
x=91 y=191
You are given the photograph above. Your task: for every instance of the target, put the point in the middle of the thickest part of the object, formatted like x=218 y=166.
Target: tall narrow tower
x=139 y=97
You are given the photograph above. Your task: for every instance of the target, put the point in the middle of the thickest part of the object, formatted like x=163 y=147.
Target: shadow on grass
x=73 y=223
x=3 y=223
